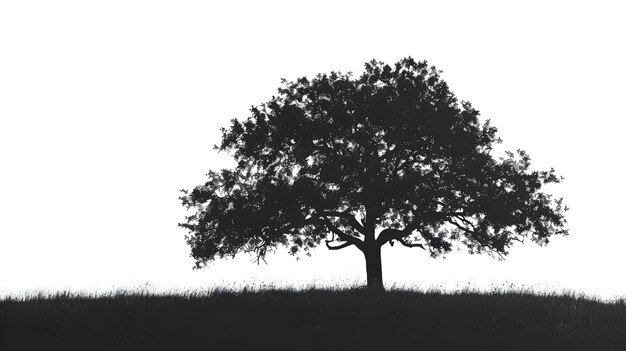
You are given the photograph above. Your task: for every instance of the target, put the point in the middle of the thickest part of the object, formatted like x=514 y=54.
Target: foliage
x=390 y=156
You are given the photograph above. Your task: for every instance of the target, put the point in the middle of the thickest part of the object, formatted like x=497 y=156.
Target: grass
x=314 y=319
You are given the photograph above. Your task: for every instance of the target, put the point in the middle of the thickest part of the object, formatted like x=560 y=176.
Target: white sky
x=108 y=108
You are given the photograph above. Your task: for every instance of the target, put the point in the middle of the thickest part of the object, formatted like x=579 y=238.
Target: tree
x=391 y=156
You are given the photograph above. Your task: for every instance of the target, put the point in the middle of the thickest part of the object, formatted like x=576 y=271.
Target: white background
x=108 y=108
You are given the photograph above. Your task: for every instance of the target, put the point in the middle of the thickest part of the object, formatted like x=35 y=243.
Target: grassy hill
x=313 y=320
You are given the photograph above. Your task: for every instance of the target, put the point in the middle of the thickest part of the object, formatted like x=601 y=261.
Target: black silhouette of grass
x=314 y=319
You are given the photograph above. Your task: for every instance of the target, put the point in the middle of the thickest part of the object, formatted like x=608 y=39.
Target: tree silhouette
x=391 y=156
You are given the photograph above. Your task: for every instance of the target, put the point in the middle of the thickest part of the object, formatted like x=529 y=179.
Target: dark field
x=313 y=319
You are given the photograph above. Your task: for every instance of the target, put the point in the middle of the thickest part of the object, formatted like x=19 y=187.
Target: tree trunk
x=374 y=268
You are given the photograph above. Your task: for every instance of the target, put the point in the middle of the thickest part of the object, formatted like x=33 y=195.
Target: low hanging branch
x=405 y=243
x=338 y=247
x=349 y=239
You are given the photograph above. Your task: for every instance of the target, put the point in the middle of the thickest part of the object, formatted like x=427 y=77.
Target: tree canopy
x=390 y=156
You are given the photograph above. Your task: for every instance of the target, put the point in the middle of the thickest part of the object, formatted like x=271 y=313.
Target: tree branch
x=338 y=247
x=461 y=227
x=485 y=243
x=343 y=236
x=390 y=234
x=403 y=242
x=394 y=234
